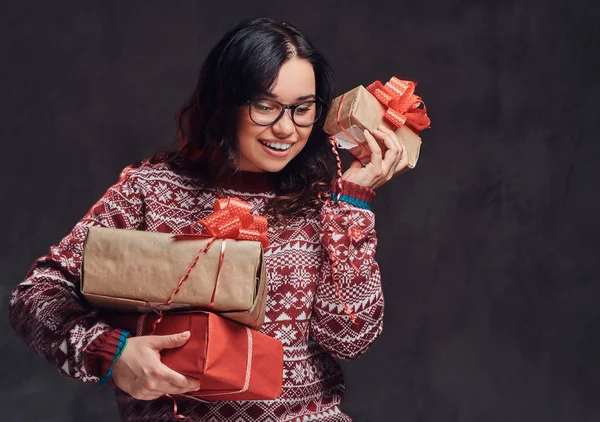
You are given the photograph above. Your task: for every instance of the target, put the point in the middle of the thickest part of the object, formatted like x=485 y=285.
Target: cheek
x=304 y=133
x=247 y=131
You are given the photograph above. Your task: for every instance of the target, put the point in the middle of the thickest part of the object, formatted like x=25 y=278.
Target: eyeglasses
x=266 y=112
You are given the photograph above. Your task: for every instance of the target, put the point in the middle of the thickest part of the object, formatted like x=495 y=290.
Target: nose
x=285 y=126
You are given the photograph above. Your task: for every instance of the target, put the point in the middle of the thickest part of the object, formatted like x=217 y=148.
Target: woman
x=251 y=129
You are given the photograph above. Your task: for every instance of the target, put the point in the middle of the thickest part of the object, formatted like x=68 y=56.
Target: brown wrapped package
x=361 y=110
x=132 y=270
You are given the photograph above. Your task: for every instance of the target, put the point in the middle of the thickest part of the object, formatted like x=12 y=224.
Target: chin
x=273 y=168
x=264 y=167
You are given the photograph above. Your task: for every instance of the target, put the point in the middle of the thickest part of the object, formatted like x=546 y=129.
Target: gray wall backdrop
x=489 y=250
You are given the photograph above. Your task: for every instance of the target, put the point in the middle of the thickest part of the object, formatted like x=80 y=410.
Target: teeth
x=277 y=145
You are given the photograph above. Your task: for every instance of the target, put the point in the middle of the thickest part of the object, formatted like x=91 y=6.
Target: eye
x=305 y=108
x=265 y=106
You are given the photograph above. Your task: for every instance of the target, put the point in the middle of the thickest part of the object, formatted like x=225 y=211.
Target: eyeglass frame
x=285 y=107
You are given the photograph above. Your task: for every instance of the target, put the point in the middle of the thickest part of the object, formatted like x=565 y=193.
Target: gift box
x=232 y=361
x=393 y=105
x=132 y=270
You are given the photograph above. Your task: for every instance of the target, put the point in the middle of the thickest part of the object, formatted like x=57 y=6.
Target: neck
x=249 y=181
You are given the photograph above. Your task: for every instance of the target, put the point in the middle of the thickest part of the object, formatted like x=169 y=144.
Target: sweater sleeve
x=46 y=309
x=348 y=233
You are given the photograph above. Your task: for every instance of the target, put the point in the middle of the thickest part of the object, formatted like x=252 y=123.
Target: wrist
x=99 y=354
x=122 y=343
x=353 y=193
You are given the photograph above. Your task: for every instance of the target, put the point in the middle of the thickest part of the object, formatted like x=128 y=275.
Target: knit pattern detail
x=122 y=343
x=354 y=190
x=101 y=353
x=350 y=200
x=303 y=309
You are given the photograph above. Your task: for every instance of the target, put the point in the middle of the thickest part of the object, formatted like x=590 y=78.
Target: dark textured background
x=489 y=250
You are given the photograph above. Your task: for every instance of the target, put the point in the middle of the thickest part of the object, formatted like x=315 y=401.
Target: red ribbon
x=335 y=273
x=403 y=105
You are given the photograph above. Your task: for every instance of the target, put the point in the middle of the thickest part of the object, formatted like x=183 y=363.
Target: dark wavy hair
x=243 y=64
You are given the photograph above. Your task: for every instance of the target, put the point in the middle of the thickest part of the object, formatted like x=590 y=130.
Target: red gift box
x=232 y=361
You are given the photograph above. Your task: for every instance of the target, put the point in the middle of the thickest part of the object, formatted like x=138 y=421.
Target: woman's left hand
x=380 y=169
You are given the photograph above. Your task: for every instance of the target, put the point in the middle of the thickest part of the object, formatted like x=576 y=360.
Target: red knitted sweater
x=303 y=309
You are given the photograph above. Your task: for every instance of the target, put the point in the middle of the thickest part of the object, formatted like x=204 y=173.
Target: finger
x=167 y=388
x=154 y=394
x=389 y=132
x=402 y=153
x=170 y=341
x=147 y=397
x=173 y=389
x=159 y=384
x=375 y=150
x=402 y=163
x=169 y=376
x=392 y=152
x=146 y=394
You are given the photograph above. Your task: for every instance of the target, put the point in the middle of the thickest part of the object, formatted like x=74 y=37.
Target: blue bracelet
x=351 y=200
x=120 y=348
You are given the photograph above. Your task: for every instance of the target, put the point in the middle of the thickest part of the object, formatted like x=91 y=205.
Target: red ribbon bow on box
x=232 y=219
x=402 y=103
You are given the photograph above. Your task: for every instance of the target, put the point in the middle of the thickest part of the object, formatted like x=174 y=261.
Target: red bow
x=402 y=103
x=232 y=219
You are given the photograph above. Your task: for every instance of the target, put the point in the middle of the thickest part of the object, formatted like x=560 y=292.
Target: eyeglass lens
x=265 y=112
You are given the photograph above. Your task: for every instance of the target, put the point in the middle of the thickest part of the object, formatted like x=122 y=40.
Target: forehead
x=296 y=79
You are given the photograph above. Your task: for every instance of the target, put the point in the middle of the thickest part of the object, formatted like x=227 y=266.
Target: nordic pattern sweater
x=303 y=309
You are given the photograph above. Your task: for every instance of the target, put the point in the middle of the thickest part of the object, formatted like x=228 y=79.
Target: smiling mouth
x=277 y=146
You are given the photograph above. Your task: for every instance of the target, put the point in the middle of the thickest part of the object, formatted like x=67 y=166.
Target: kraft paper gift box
x=232 y=361
x=359 y=110
x=133 y=270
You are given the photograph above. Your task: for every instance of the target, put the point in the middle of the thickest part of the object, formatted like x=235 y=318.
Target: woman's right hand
x=140 y=373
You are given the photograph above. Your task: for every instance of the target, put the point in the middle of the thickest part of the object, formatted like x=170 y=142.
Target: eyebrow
x=303 y=97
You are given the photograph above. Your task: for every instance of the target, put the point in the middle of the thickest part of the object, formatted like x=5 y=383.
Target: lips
x=288 y=145
x=277 y=141
x=275 y=152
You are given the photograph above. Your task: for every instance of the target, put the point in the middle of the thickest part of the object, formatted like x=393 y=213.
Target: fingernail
x=184 y=334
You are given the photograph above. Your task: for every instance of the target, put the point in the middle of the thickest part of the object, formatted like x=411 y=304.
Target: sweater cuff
x=353 y=193
x=102 y=352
